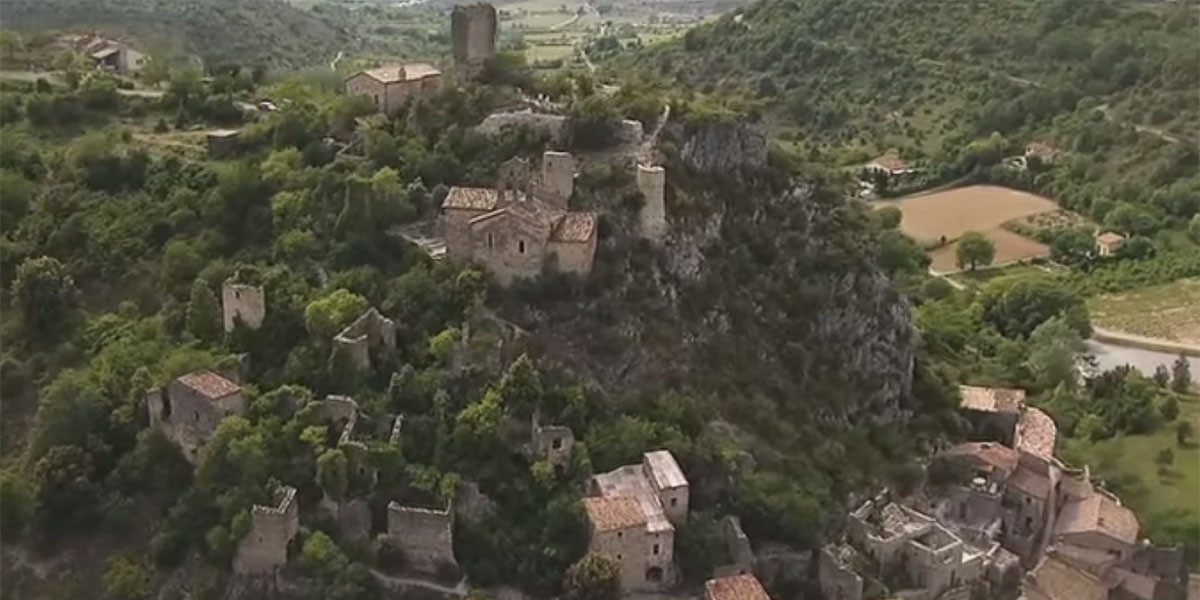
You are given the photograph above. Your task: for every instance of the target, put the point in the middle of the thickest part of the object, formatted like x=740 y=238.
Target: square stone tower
x=652 y=183
x=473 y=30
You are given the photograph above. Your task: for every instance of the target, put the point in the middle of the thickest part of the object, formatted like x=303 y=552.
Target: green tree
x=888 y=217
x=1169 y=409
x=1184 y=432
x=521 y=386
x=45 y=294
x=181 y=264
x=1073 y=247
x=333 y=473
x=1015 y=306
x=1132 y=219
x=155 y=71
x=1053 y=346
x=974 y=249
x=16 y=505
x=1194 y=228
x=594 y=577
x=203 y=313
x=593 y=122
x=328 y=314
x=1165 y=457
x=1181 y=375
x=125 y=579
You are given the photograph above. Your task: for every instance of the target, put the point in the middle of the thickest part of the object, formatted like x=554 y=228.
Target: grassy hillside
x=860 y=77
x=268 y=32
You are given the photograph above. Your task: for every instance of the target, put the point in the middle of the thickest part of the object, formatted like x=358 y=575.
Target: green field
x=1170 y=311
x=983 y=276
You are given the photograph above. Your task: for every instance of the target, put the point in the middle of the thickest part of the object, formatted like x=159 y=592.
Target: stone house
x=390 y=86
x=838 y=572
x=473 y=32
x=736 y=587
x=632 y=514
x=552 y=443
x=522 y=226
x=221 y=142
x=371 y=333
x=1108 y=243
x=242 y=302
x=115 y=56
x=424 y=536
x=1099 y=522
x=272 y=528
x=189 y=409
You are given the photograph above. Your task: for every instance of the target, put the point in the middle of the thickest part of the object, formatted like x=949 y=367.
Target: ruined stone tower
x=264 y=549
x=558 y=178
x=652 y=182
x=473 y=29
x=242 y=302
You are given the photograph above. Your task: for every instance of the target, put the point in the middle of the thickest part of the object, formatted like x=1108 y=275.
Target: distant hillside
x=860 y=76
x=267 y=32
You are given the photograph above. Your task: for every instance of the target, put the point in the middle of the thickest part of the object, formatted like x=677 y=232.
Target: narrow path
x=1121 y=338
x=334 y=62
x=392 y=582
x=646 y=152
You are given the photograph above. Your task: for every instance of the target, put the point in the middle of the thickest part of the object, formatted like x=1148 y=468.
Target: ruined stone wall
x=369 y=332
x=737 y=543
x=652 y=220
x=242 y=302
x=837 y=582
x=424 y=536
x=574 y=257
x=457 y=230
x=554 y=126
x=473 y=31
x=558 y=179
x=264 y=549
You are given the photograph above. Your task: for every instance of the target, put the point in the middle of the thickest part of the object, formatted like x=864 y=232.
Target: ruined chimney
x=652 y=182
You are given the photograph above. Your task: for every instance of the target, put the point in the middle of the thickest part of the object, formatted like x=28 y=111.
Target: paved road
x=1111 y=355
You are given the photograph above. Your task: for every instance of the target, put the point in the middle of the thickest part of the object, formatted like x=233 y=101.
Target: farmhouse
x=114 y=56
x=890 y=164
x=189 y=409
x=389 y=86
x=1041 y=151
x=1108 y=243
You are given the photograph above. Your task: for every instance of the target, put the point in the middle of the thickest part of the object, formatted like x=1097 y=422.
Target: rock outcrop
x=724 y=147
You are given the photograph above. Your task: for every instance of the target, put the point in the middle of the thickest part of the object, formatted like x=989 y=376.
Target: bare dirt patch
x=930 y=217
x=1010 y=248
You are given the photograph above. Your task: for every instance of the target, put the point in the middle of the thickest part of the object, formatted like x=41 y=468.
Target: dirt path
x=392 y=582
x=1106 y=110
x=333 y=63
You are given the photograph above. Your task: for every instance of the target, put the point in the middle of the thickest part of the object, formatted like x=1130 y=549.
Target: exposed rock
x=724 y=147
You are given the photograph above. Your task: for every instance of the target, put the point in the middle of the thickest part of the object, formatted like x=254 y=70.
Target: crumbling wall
x=188 y=418
x=558 y=179
x=351 y=518
x=473 y=31
x=838 y=581
x=554 y=126
x=243 y=302
x=652 y=220
x=737 y=543
x=552 y=443
x=424 y=536
x=264 y=549
x=369 y=332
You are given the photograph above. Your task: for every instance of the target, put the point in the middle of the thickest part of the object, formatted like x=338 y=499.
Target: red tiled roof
x=736 y=587
x=209 y=384
x=1030 y=482
x=1056 y=580
x=990 y=399
x=574 y=227
x=470 y=198
x=1036 y=433
x=997 y=456
x=398 y=73
x=1109 y=238
x=612 y=513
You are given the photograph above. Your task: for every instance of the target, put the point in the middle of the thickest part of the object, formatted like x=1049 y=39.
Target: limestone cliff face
x=768 y=291
x=723 y=147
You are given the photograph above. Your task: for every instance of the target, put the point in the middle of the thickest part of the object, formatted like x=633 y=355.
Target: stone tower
x=242 y=302
x=558 y=178
x=473 y=29
x=652 y=183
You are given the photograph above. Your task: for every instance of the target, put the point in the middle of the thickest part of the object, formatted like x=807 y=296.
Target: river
x=1110 y=355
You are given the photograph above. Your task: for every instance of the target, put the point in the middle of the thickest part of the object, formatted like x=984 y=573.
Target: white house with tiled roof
x=632 y=514
x=388 y=87
x=189 y=409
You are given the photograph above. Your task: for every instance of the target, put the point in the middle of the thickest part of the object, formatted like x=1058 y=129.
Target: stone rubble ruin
x=552 y=443
x=371 y=332
x=264 y=549
x=423 y=536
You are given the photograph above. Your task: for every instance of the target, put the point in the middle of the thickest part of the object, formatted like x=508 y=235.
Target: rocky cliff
x=723 y=146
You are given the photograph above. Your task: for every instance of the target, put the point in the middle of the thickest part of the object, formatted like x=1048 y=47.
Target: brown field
x=1010 y=247
x=950 y=213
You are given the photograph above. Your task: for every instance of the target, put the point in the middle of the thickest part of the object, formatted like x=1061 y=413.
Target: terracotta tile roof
x=575 y=227
x=1040 y=149
x=1100 y=513
x=1036 y=433
x=398 y=73
x=1030 y=482
x=470 y=198
x=612 y=513
x=209 y=384
x=1056 y=580
x=988 y=399
x=664 y=470
x=1109 y=238
x=997 y=456
x=736 y=587
x=890 y=162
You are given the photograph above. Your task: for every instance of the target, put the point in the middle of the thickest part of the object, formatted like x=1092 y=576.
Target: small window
x=1028 y=501
x=196 y=415
x=656 y=548
x=620 y=535
x=491 y=241
x=521 y=246
x=376 y=99
x=674 y=502
x=618 y=557
x=556 y=444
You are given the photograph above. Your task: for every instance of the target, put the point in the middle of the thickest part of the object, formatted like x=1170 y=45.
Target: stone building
x=632 y=516
x=388 y=87
x=735 y=587
x=652 y=220
x=241 y=302
x=552 y=443
x=522 y=226
x=189 y=409
x=838 y=567
x=115 y=56
x=221 y=142
x=371 y=333
x=993 y=411
x=265 y=547
x=473 y=31
x=424 y=536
